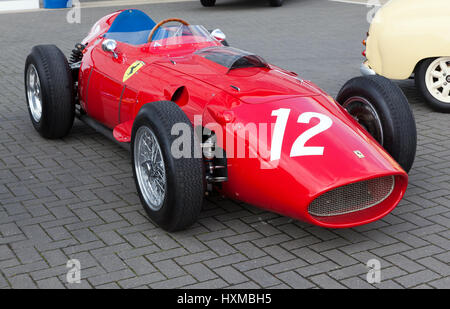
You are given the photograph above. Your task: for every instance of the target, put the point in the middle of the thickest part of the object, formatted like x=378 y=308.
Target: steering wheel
x=150 y=37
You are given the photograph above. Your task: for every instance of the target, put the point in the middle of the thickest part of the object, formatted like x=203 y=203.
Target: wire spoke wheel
x=150 y=168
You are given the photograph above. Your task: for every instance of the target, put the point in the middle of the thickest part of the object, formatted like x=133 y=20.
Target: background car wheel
x=276 y=2
x=49 y=91
x=171 y=189
x=432 y=78
x=382 y=109
x=208 y=2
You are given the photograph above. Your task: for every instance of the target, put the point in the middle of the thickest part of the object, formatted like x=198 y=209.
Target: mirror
x=110 y=46
x=218 y=35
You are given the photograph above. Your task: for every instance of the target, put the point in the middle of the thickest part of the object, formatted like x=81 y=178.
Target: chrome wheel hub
x=34 y=95
x=437 y=79
x=150 y=168
x=366 y=115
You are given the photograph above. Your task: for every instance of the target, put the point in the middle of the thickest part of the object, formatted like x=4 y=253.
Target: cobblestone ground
x=75 y=198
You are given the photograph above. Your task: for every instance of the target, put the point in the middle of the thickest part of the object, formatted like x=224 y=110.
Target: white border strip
x=14 y=5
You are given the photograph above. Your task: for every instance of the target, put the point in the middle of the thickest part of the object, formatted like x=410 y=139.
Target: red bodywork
x=204 y=88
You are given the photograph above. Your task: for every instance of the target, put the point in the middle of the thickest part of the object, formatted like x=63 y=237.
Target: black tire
x=420 y=80
x=399 y=135
x=56 y=88
x=208 y=3
x=276 y=3
x=184 y=176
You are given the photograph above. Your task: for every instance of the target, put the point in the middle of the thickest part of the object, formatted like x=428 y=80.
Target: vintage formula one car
x=184 y=103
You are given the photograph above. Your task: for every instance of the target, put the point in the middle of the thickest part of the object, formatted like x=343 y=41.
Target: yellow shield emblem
x=132 y=69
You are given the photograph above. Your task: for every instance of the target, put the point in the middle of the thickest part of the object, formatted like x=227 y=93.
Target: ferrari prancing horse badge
x=132 y=69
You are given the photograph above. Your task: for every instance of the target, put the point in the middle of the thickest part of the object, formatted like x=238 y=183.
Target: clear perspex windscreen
x=180 y=34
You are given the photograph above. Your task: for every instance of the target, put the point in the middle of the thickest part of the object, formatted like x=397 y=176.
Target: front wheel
x=432 y=77
x=170 y=186
x=208 y=2
x=382 y=109
x=276 y=3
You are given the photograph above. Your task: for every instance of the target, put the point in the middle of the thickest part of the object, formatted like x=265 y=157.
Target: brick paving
x=75 y=198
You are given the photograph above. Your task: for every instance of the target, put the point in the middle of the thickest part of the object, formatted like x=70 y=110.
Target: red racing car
x=199 y=116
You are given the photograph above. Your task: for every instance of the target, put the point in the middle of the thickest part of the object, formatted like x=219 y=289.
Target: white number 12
x=298 y=148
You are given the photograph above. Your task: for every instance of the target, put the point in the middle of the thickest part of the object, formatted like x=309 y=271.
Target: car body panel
x=404 y=32
x=290 y=184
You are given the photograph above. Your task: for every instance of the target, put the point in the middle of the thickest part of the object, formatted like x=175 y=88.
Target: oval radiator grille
x=353 y=197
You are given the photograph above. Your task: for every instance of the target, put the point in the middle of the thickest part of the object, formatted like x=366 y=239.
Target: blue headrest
x=132 y=21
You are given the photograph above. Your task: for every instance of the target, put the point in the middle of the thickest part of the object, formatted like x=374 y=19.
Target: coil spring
x=77 y=53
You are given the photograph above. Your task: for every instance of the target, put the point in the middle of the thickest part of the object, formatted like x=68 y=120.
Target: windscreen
x=180 y=34
x=232 y=58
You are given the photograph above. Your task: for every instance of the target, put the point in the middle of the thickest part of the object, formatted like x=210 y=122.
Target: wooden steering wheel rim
x=165 y=21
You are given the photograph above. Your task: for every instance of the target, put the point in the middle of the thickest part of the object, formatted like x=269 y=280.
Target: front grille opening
x=353 y=197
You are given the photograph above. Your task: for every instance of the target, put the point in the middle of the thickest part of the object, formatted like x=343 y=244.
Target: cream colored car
x=412 y=38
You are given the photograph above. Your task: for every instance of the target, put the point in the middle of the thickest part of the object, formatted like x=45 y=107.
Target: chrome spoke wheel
x=150 y=168
x=34 y=94
x=437 y=79
x=366 y=115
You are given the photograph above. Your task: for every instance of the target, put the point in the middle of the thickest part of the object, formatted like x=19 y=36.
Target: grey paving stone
x=443 y=283
x=279 y=253
x=220 y=247
x=212 y=284
x=55 y=257
x=262 y=277
x=309 y=255
x=169 y=268
x=357 y=283
x=404 y=263
x=231 y=275
x=326 y=282
x=196 y=257
x=111 y=277
x=435 y=265
x=50 y=283
x=140 y=265
x=200 y=272
x=422 y=276
x=255 y=263
x=22 y=282
x=174 y=283
x=250 y=250
x=142 y=280
x=294 y=280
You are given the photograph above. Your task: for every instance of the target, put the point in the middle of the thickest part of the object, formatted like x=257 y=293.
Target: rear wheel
x=276 y=2
x=382 y=109
x=432 y=77
x=208 y=2
x=49 y=91
x=171 y=188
